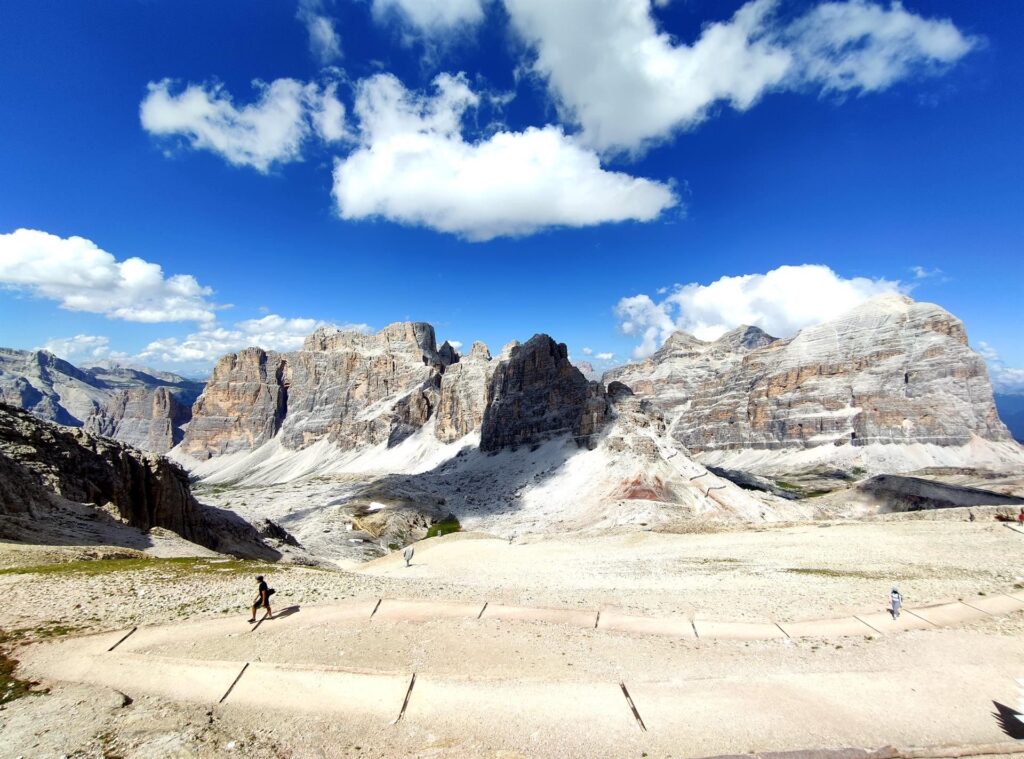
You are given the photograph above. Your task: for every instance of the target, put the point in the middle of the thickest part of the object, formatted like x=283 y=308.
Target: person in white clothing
x=895 y=602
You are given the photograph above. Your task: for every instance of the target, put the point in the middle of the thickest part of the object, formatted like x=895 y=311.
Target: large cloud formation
x=414 y=166
x=81 y=276
x=627 y=83
x=781 y=302
x=272 y=130
x=619 y=81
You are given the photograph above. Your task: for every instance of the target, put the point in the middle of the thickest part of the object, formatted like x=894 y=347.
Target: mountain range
x=391 y=429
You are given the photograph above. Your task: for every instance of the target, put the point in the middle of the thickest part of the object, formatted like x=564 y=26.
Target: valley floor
x=501 y=687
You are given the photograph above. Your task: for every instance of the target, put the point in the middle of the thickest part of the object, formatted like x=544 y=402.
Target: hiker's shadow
x=287 y=612
x=1009 y=720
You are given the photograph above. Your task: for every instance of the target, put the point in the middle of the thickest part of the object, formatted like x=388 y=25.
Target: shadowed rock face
x=147 y=490
x=536 y=393
x=38 y=459
x=890 y=371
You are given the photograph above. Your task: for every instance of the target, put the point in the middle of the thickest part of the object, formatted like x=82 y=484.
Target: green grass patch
x=176 y=566
x=11 y=687
x=446 y=526
x=788 y=486
x=838 y=574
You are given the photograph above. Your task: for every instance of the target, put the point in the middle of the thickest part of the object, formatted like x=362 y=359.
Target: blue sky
x=470 y=163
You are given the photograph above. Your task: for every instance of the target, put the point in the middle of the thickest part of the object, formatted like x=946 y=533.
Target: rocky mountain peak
x=480 y=350
x=447 y=354
x=888 y=371
x=536 y=393
x=744 y=337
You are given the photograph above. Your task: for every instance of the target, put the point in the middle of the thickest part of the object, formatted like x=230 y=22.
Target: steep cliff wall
x=889 y=371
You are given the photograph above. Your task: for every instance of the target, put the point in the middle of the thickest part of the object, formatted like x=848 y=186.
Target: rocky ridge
x=44 y=464
x=890 y=371
x=355 y=390
x=144 y=408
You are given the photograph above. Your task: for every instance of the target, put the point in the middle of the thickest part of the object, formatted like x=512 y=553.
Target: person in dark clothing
x=262 y=600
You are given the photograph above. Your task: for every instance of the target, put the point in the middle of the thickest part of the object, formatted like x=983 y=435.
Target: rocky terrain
x=144 y=408
x=48 y=469
x=891 y=372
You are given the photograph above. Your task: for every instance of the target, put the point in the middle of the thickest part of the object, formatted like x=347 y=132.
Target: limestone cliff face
x=889 y=371
x=242 y=406
x=149 y=419
x=346 y=387
x=536 y=393
x=49 y=387
x=463 y=395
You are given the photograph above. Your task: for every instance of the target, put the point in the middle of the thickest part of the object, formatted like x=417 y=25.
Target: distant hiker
x=262 y=600
x=895 y=602
x=1020 y=518
x=407 y=554
x=970 y=515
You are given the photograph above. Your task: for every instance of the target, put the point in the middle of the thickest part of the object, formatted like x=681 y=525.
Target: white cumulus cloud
x=604 y=356
x=414 y=166
x=781 y=302
x=270 y=332
x=324 y=42
x=272 y=130
x=626 y=82
x=431 y=16
x=81 y=347
x=1005 y=379
x=80 y=276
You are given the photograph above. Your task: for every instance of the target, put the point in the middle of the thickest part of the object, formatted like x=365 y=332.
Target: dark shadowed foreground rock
x=146 y=491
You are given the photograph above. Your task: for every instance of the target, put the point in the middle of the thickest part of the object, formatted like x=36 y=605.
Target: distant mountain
x=891 y=383
x=1011 y=411
x=142 y=407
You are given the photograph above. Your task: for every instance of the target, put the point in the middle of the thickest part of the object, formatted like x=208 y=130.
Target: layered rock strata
x=463 y=394
x=151 y=419
x=346 y=387
x=889 y=371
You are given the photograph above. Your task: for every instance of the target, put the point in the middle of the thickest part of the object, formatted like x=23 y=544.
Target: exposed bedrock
x=38 y=458
x=889 y=371
x=536 y=393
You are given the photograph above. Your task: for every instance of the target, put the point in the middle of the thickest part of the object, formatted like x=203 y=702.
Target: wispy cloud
x=324 y=41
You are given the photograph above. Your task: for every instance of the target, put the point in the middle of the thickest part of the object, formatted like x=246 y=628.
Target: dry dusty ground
x=801 y=572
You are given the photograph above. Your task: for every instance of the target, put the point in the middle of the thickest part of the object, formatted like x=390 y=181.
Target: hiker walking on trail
x=895 y=602
x=1020 y=518
x=262 y=600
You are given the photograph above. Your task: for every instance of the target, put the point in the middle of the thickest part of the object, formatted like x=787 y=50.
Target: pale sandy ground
x=502 y=688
